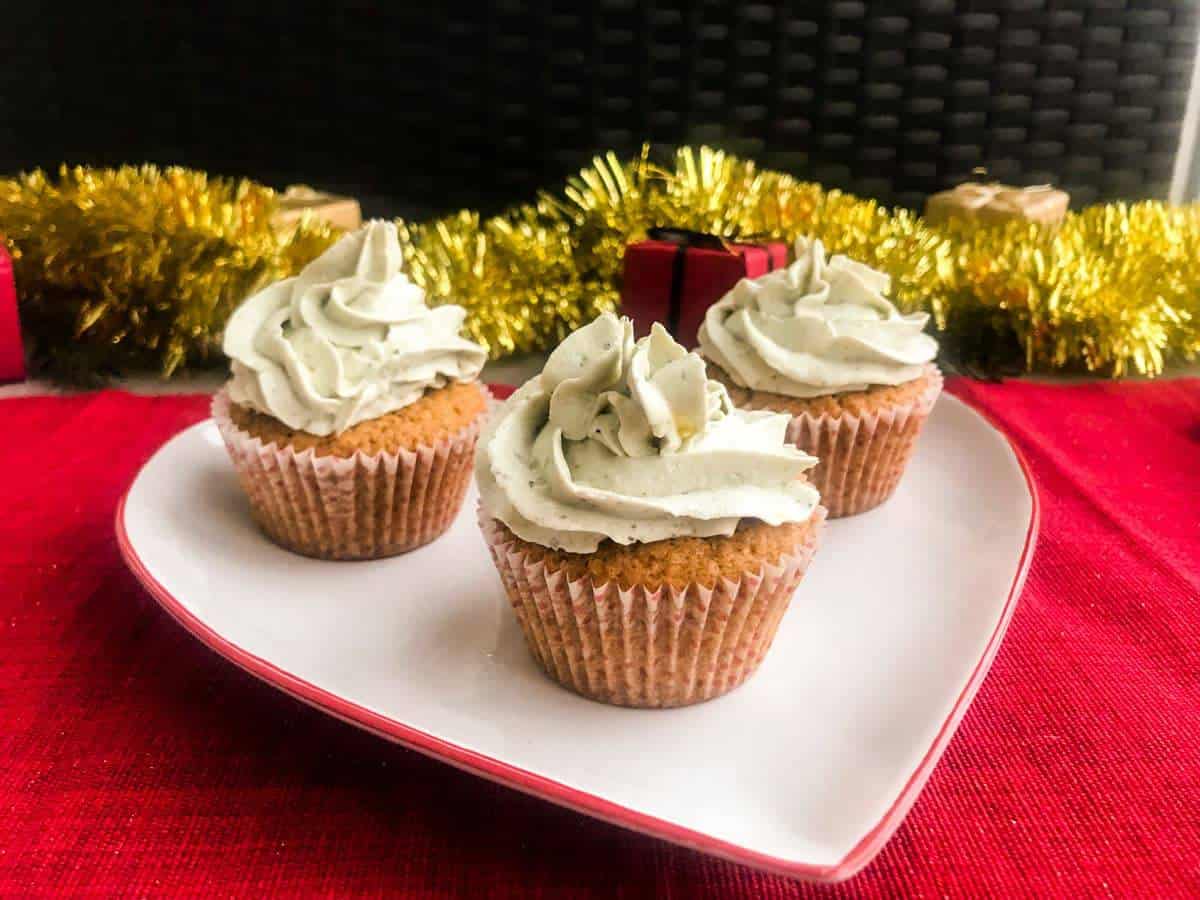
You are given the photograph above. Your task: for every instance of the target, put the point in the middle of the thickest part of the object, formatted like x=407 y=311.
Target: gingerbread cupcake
x=353 y=410
x=648 y=534
x=821 y=342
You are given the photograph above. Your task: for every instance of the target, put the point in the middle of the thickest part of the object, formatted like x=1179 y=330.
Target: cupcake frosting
x=632 y=442
x=817 y=327
x=348 y=339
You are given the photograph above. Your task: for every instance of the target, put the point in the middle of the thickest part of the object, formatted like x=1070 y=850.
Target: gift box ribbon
x=684 y=240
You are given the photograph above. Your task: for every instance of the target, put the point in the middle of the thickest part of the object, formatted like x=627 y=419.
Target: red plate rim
x=531 y=783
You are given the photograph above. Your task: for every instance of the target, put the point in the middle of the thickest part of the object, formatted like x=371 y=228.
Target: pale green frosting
x=815 y=328
x=633 y=442
x=348 y=339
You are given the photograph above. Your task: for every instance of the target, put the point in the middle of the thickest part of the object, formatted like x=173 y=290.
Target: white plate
x=806 y=770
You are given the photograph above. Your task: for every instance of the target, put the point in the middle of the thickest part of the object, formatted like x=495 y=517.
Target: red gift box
x=674 y=276
x=12 y=354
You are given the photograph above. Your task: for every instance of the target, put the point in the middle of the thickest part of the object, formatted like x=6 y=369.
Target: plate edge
x=857 y=858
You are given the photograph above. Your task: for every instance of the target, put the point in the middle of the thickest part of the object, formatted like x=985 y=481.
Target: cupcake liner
x=364 y=506
x=640 y=647
x=862 y=457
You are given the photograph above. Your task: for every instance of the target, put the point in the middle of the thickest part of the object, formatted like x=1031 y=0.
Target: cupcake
x=821 y=342
x=353 y=411
x=648 y=534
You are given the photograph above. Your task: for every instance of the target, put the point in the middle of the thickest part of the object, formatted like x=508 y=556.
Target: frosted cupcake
x=353 y=410
x=649 y=535
x=821 y=342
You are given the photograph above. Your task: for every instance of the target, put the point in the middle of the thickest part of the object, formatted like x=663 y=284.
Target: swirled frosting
x=633 y=442
x=817 y=327
x=348 y=339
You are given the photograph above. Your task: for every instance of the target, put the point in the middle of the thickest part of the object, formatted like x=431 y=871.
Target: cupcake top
x=817 y=327
x=348 y=339
x=632 y=442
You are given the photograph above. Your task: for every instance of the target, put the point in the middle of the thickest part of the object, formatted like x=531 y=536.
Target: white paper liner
x=862 y=457
x=363 y=506
x=640 y=647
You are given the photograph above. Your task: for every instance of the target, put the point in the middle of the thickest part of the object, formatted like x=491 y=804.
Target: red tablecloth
x=133 y=759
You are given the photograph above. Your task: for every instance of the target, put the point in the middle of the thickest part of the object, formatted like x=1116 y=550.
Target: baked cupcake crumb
x=679 y=561
x=857 y=403
x=439 y=414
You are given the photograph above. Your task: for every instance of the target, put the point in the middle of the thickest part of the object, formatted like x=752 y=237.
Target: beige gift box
x=298 y=199
x=995 y=202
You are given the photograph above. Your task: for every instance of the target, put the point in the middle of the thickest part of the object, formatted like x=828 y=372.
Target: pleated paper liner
x=861 y=457
x=639 y=647
x=365 y=506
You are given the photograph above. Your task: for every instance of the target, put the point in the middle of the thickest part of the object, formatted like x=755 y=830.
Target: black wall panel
x=422 y=108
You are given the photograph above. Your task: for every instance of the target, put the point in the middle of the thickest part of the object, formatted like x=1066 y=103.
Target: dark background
x=420 y=109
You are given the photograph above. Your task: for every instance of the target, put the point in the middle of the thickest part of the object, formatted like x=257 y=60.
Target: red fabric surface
x=132 y=759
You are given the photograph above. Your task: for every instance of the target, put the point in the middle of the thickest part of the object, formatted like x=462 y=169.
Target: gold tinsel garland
x=137 y=268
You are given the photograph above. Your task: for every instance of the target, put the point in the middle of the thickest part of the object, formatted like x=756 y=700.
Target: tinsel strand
x=137 y=268
x=133 y=268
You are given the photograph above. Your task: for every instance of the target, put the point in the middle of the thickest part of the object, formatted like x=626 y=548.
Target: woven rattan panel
x=462 y=106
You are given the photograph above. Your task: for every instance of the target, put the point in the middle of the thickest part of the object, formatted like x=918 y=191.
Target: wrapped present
x=12 y=353
x=298 y=199
x=674 y=276
x=994 y=202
